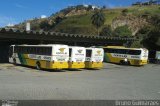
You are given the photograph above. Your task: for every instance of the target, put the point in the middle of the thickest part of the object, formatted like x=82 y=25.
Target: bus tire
x=14 y=61
x=38 y=66
x=121 y=62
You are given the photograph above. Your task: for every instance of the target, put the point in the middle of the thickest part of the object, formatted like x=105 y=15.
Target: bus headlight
x=125 y=60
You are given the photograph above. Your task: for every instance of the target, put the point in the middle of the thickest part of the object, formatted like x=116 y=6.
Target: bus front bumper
x=138 y=62
x=76 y=65
x=96 y=65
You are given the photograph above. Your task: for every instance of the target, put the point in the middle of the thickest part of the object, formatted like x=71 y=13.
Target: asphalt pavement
x=110 y=83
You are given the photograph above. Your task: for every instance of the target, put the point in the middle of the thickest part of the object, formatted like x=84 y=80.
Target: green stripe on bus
x=19 y=56
x=22 y=59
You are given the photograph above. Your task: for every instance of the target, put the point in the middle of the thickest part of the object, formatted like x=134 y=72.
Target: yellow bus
x=76 y=57
x=94 y=58
x=53 y=56
x=122 y=55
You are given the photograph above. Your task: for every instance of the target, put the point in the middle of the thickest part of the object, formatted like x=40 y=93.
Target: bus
x=53 y=56
x=157 y=56
x=94 y=58
x=122 y=55
x=76 y=57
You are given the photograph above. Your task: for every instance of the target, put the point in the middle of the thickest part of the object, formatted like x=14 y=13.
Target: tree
x=58 y=19
x=98 y=19
x=142 y=33
x=44 y=25
x=152 y=38
x=152 y=41
x=122 y=31
x=89 y=7
x=104 y=7
x=124 y=12
x=153 y=2
x=155 y=20
x=136 y=44
x=106 y=31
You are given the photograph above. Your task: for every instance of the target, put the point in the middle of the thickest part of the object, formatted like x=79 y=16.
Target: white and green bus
x=53 y=56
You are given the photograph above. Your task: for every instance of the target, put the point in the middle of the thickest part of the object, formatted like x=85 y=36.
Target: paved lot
x=112 y=82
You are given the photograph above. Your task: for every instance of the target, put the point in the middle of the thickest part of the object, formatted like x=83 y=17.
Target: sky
x=16 y=11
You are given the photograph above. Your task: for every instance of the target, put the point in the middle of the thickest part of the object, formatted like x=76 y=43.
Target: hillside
x=76 y=20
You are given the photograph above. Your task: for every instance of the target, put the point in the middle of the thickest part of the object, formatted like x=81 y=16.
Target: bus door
x=88 y=61
x=88 y=55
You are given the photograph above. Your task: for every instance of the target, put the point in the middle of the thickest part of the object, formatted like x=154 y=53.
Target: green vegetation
x=147 y=3
x=149 y=36
x=151 y=40
x=124 y=12
x=84 y=24
x=83 y=21
x=136 y=44
x=77 y=20
x=106 y=31
x=98 y=20
x=122 y=31
x=44 y=25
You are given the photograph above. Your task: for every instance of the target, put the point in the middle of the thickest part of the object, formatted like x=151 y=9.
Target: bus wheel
x=121 y=62
x=14 y=61
x=38 y=65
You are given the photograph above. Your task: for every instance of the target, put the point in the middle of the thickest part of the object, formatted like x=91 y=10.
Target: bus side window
x=88 y=53
x=122 y=51
x=29 y=50
x=15 y=49
x=134 y=52
x=40 y=50
x=33 y=50
x=106 y=50
x=49 y=51
x=20 y=50
x=70 y=52
x=37 y=50
x=44 y=51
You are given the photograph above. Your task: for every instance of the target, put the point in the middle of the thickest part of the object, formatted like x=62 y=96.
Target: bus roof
x=114 y=47
x=76 y=47
x=94 y=48
x=43 y=45
x=122 y=47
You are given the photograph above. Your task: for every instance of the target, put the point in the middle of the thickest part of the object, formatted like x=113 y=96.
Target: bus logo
x=79 y=51
x=61 y=50
x=99 y=52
